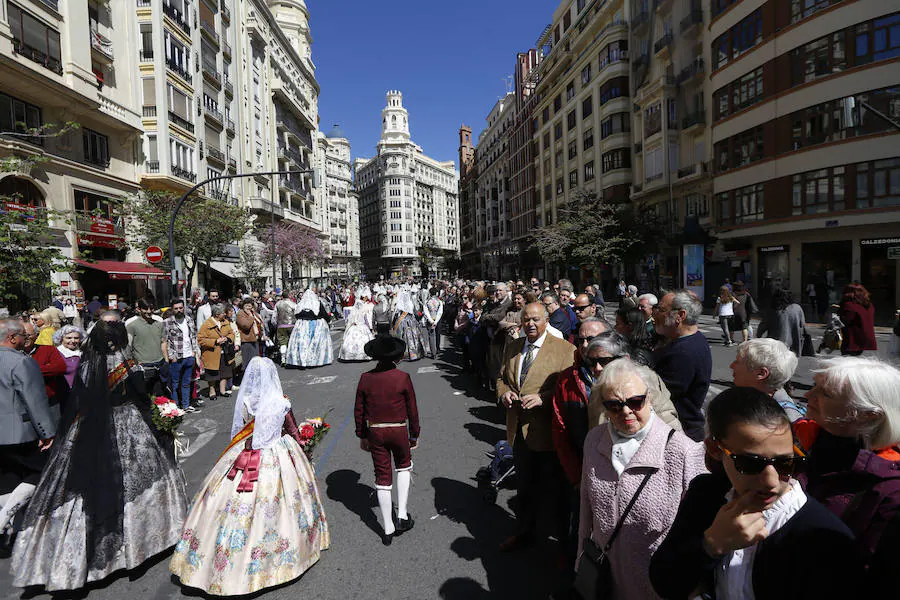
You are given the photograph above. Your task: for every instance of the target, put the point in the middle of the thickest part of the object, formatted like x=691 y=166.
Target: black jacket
x=812 y=556
x=560 y=320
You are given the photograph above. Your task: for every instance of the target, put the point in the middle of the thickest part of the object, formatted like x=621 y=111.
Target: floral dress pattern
x=310 y=344
x=241 y=542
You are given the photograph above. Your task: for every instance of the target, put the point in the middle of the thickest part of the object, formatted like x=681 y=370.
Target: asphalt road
x=452 y=551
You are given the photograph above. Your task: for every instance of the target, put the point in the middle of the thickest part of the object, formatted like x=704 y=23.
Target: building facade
x=806 y=144
x=69 y=63
x=340 y=205
x=409 y=213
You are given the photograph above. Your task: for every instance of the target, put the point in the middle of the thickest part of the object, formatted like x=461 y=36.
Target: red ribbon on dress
x=247 y=462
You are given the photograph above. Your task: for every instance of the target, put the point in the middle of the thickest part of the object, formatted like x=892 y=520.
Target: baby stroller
x=502 y=466
x=832 y=338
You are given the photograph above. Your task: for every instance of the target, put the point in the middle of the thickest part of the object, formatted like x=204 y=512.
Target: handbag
x=593 y=579
x=807 y=348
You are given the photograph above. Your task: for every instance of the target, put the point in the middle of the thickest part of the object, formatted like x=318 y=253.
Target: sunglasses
x=753 y=464
x=635 y=403
x=602 y=360
x=581 y=308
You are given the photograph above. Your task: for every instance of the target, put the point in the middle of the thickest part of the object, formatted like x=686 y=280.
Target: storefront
x=878 y=273
x=130 y=280
x=828 y=267
x=774 y=270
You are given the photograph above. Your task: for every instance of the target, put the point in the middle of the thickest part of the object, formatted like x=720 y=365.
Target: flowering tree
x=292 y=244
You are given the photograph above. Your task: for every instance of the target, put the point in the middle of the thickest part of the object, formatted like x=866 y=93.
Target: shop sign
x=64 y=283
x=879 y=242
x=99 y=241
x=893 y=253
x=773 y=249
x=112 y=300
x=101 y=225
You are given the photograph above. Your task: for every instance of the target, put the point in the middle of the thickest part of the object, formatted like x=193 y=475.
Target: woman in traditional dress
x=406 y=327
x=110 y=497
x=257 y=521
x=359 y=328
x=310 y=343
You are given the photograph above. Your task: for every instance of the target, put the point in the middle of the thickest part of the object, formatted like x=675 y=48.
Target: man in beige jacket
x=528 y=374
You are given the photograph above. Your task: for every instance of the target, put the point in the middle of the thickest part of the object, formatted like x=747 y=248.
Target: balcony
x=229 y=125
x=211 y=75
x=694 y=71
x=181 y=122
x=184 y=174
x=102 y=47
x=232 y=164
x=149 y=111
x=177 y=17
x=695 y=119
x=210 y=30
x=37 y=56
x=229 y=88
x=662 y=6
x=151 y=166
x=179 y=70
x=214 y=116
x=263 y=206
x=640 y=22
x=215 y=154
x=663 y=45
x=143 y=3
x=641 y=61
x=226 y=12
x=690 y=25
x=145 y=56
x=620 y=56
x=54 y=4
x=88 y=222
x=226 y=49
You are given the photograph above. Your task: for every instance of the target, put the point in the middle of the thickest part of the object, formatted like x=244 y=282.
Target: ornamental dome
x=336 y=132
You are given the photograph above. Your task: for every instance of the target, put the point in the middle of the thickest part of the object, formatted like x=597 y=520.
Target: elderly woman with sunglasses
x=634 y=446
x=852 y=433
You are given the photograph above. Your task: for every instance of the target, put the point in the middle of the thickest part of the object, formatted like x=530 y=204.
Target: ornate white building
x=409 y=212
x=339 y=202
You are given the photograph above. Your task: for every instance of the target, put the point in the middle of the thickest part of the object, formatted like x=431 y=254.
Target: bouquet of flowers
x=167 y=416
x=311 y=433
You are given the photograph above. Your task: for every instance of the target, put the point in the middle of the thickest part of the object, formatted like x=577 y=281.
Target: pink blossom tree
x=293 y=244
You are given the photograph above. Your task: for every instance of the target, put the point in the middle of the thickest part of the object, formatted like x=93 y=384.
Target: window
x=616 y=159
x=573 y=149
x=613 y=52
x=570 y=120
x=586 y=75
x=878 y=40
x=717 y=6
x=573 y=179
x=613 y=88
x=557 y=104
x=567 y=21
x=617 y=123
x=557 y=132
x=652 y=120
x=579 y=6
x=546 y=115
x=748 y=204
x=588 y=139
x=737 y=40
x=878 y=183
x=587 y=107
x=801 y=9
x=33 y=39
x=19 y=116
x=96 y=148
x=547 y=141
x=589 y=171
x=559 y=187
x=739 y=94
x=570 y=91
x=696 y=204
x=739 y=150
x=558 y=159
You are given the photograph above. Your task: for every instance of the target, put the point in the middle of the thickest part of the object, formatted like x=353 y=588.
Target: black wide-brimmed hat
x=385 y=347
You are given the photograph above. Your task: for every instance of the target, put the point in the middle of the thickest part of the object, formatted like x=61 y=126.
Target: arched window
x=19 y=190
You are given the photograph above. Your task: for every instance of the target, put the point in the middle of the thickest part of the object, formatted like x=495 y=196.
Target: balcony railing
x=695 y=17
x=149 y=111
x=181 y=121
x=698 y=117
x=226 y=49
x=226 y=12
x=23 y=49
x=209 y=71
x=229 y=88
x=692 y=70
x=91 y=223
x=152 y=166
x=179 y=70
x=687 y=171
x=184 y=174
x=229 y=123
x=663 y=43
x=215 y=115
x=232 y=163
x=102 y=44
x=177 y=16
x=145 y=55
x=210 y=30
x=621 y=55
x=215 y=154
x=640 y=20
x=54 y=4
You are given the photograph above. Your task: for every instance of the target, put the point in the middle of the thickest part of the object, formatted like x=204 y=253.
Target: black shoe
x=387 y=538
x=404 y=525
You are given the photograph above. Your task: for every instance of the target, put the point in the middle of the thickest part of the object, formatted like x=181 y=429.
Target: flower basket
x=311 y=433
x=167 y=417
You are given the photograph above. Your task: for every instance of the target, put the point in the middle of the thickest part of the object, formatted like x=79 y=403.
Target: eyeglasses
x=601 y=360
x=635 y=403
x=753 y=464
x=581 y=340
x=577 y=308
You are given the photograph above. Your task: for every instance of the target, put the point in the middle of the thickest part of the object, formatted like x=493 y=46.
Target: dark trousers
x=540 y=484
x=181 y=373
x=248 y=351
x=156 y=377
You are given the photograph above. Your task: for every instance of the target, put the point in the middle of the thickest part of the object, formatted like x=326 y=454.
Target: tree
x=591 y=230
x=250 y=267
x=292 y=244
x=203 y=228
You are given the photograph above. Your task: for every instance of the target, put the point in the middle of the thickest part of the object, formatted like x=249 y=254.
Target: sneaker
x=190 y=409
x=235 y=386
x=199 y=402
x=228 y=392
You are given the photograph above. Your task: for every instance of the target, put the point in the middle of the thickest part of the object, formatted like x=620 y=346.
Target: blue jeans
x=180 y=373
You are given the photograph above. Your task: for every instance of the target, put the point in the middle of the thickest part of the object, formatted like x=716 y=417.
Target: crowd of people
x=652 y=489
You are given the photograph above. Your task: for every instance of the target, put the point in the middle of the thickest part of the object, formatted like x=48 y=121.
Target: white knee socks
x=404 y=479
x=384 y=503
x=13 y=502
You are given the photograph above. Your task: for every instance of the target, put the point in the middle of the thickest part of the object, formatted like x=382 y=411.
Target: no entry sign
x=154 y=254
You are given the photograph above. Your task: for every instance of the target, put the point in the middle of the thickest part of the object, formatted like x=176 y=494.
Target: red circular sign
x=154 y=254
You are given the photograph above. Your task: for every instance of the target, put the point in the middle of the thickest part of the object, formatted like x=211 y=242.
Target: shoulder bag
x=593 y=580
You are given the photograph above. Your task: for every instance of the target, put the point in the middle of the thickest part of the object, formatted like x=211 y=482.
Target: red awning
x=124 y=270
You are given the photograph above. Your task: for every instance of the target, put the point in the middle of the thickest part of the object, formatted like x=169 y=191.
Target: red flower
x=307 y=431
x=161 y=400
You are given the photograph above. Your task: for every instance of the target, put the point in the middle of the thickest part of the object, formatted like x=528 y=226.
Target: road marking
x=207 y=429
x=324 y=379
x=431 y=369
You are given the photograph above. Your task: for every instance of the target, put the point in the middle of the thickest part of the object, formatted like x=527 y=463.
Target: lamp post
x=181 y=201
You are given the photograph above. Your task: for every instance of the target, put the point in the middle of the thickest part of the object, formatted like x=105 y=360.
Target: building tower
x=394 y=119
x=466 y=149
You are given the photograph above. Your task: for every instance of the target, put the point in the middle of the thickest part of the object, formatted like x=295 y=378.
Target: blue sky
x=448 y=58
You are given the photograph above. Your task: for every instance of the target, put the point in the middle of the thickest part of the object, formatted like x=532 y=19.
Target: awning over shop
x=124 y=270
x=225 y=268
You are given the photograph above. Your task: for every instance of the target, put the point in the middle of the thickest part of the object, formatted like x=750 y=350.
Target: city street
x=453 y=550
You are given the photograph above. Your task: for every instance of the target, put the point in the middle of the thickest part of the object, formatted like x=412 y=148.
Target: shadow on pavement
x=491 y=414
x=488 y=434
x=344 y=487
x=527 y=573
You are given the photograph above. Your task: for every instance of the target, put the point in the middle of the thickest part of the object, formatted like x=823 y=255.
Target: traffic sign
x=154 y=254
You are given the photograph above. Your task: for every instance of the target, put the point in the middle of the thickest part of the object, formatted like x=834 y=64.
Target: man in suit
x=27 y=421
x=528 y=375
x=559 y=318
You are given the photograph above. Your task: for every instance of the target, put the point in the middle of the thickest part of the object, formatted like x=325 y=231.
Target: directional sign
x=154 y=254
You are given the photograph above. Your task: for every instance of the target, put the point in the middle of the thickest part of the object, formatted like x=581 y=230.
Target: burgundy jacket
x=385 y=396
x=859 y=327
x=569 y=423
x=53 y=368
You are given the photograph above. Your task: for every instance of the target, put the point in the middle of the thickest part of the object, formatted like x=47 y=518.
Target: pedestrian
x=258 y=516
x=147 y=345
x=432 y=312
x=724 y=310
x=28 y=423
x=204 y=310
x=387 y=424
x=182 y=353
x=768 y=365
x=310 y=343
x=110 y=497
x=636 y=469
x=744 y=309
x=285 y=318
x=216 y=340
x=68 y=342
x=252 y=330
x=858 y=314
x=784 y=321
x=70 y=312
x=685 y=362
x=559 y=318
x=748 y=529
x=47 y=322
x=358 y=328
x=52 y=365
x=630 y=322
x=405 y=327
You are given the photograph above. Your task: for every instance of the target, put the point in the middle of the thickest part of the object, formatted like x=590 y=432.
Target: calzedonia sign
x=774 y=249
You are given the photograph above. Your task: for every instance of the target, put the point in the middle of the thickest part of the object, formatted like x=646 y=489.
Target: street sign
x=18 y=227
x=154 y=254
x=893 y=252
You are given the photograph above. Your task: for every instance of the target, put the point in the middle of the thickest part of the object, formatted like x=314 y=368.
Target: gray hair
x=612 y=342
x=772 y=354
x=217 y=310
x=66 y=330
x=10 y=327
x=617 y=373
x=595 y=319
x=868 y=386
x=566 y=284
x=688 y=302
x=651 y=299
x=550 y=295
x=632 y=289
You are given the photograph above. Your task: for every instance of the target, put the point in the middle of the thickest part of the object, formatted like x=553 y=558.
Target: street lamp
x=181 y=201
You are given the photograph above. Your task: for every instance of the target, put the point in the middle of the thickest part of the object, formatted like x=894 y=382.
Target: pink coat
x=604 y=495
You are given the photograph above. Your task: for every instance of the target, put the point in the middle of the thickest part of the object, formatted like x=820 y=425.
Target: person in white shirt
x=432 y=311
x=725 y=311
x=204 y=311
